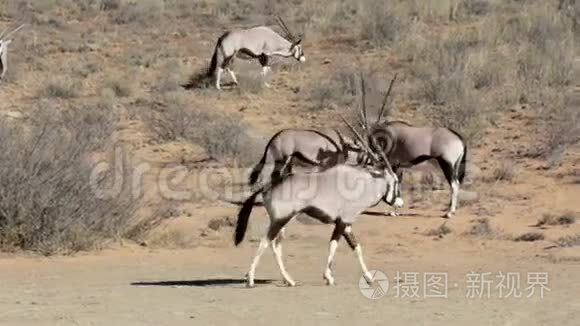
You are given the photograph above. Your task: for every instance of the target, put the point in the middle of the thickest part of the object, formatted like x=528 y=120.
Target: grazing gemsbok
x=4 y=42
x=337 y=195
x=260 y=43
x=309 y=146
x=406 y=145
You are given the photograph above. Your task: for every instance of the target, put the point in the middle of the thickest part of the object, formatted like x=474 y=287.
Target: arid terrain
x=96 y=86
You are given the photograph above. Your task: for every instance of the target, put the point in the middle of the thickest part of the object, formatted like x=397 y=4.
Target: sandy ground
x=138 y=286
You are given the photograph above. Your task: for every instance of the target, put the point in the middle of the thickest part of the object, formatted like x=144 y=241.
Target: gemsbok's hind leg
x=454 y=195
x=218 y=77
x=277 y=250
x=261 y=248
x=231 y=72
x=449 y=173
x=355 y=246
x=336 y=234
x=273 y=231
x=287 y=167
x=265 y=68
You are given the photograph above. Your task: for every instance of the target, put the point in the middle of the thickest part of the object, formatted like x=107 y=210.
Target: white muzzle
x=302 y=58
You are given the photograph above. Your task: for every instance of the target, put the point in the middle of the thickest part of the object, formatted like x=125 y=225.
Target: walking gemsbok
x=260 y=43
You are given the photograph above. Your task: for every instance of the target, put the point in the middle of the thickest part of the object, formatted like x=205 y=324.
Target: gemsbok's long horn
x=14 y=31
x=380 y=116
x=360 y=138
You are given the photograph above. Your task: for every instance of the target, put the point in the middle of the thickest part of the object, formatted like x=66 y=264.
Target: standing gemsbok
x=313 y=147
x=260 y=43
x=406 y=145
x=4 y=42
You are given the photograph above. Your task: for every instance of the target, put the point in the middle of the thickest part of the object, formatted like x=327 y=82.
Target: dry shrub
x=171 y=80
x=343 y=89
x=120 y=87
x=505 y=172
x=569 y=241
x=475 y=7
x=482 y=229
x=107 y=5
x=564 y=219
x=143 y=12
x=47 y=202
x=380 y=22
x=447 y=83
x=61 y=87
x=340 y=89
x=223 y=137
x=561 y=124
x=250 y=81
x=530 y=237
x=439 y=232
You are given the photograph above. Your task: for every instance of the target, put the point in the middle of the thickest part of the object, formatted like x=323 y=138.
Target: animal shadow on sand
x=209 y=282
x=201 y=80
x=401 y=214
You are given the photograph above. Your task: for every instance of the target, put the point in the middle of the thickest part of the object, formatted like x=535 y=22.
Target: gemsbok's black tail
x=257 y=169
x=214 y=58
x=243 y=217
x=461 y=172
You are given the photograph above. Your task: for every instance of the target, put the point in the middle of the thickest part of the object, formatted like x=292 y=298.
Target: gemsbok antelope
x=336 y=195
x=4 y=42
x=260 y=43
x=406 y=145
x=312 y=147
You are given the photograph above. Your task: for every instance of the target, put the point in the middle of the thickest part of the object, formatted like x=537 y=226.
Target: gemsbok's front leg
x=349 y=236
x=336 y=234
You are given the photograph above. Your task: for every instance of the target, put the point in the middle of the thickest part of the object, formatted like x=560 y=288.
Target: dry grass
x=566 y=218
x=569 y=241
x=439 y=232
x=223 y=137
x=47 y=203
x=530 y=237
x=507 y=171
x=482 y=229
x=61 y=87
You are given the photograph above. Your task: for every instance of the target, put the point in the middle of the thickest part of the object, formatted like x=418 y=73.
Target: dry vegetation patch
x=566 y=218
x=47 y=200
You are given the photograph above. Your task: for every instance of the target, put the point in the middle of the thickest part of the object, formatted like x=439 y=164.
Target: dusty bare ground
x=204 y=285
x=201 y=280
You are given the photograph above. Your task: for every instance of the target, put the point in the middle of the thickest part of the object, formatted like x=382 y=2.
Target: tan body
x=260 y=43
x=308 y=146
x=337 y=195
x=407 y=145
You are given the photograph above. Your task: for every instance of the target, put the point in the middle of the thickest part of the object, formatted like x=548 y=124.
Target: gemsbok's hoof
x=290 y=283
x=368 y=277
x=393 y=214
x=250 y=286
x=328 y=280
x=448 y=215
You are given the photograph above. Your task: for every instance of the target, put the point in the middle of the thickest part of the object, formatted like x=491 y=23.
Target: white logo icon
x=376 y=290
